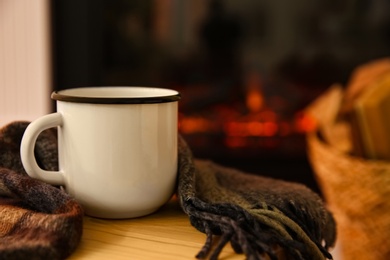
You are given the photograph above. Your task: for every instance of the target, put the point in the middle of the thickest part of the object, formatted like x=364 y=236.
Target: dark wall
x=77 y=30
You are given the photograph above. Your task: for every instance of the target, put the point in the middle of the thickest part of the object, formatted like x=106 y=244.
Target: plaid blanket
x=261 y=217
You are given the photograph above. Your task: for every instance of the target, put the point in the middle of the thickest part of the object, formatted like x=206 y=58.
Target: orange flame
x=254 y=98
x=305 y=123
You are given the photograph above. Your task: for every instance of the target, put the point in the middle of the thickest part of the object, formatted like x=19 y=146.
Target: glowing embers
x=263 y=124
x=262 y=129
x=257 y=121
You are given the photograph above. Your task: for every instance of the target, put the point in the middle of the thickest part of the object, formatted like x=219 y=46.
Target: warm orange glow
x=190 y=125
x=253 y=125
x=252 y=128
x=268 y=115
x=234 y=129
x=255 y=128
x=254 y=100
x=305 y=123
x=263 y=124
x=270 y=129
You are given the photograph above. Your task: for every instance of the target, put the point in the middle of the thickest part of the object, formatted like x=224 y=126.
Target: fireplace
x=245 y=69
x=246 y=127
x=248 y=124
x=256 y=131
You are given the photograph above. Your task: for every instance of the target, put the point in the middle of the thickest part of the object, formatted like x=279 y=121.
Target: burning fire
x=263 y=125
x=254 y=98
x=256 y=122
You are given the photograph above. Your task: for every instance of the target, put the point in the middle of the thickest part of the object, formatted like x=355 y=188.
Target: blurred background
x=246 y=69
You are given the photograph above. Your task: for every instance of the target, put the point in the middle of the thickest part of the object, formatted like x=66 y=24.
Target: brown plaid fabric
x=37 y=221
x=261 y=217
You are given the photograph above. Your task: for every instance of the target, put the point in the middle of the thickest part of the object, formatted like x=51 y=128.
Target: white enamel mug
x=117 y=148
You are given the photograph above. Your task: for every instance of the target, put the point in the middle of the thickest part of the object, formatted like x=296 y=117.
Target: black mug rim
x=61 y=95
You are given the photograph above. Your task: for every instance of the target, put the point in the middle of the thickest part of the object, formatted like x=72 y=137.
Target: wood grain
x=166 y=234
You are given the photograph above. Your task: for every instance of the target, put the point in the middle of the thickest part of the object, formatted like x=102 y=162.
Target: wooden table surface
x=166 y=234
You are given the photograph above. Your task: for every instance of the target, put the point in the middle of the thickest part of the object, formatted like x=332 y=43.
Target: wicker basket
x=358 y=193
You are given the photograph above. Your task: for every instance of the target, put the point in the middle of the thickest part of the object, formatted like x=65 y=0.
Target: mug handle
x=27 y=149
